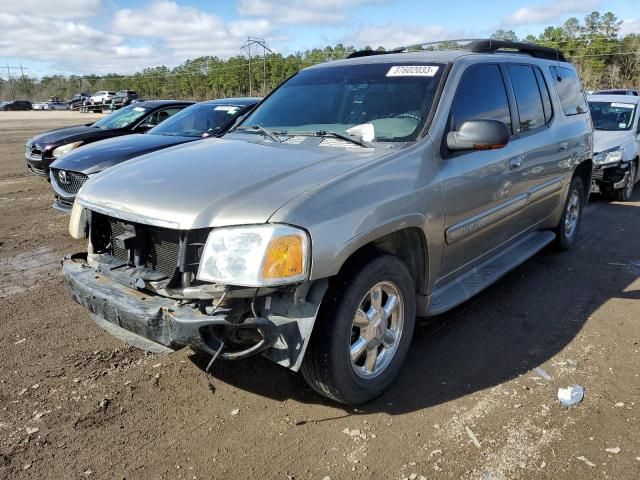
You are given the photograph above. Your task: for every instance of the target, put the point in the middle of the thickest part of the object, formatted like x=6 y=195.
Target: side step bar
x=477 y=279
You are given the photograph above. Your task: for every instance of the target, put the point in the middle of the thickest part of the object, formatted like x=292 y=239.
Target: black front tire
x=327 y=365
x=625 y=193
x=565 y=236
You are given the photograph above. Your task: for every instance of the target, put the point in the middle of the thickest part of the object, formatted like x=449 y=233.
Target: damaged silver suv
x=359 y=194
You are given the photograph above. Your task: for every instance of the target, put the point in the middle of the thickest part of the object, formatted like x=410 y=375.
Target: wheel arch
x=584 y=170
x=407 y=242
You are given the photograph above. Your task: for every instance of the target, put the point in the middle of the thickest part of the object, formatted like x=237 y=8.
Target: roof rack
x=475 y=45
x=368 y=53
x=492 y=46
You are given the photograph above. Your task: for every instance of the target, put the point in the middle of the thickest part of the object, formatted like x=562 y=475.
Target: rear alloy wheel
x=363 y=332
x=567 y=230
x=624 y=194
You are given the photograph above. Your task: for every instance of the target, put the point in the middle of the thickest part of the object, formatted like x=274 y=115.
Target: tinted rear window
x=546 y=97
x=569 y=90
x=525 y=87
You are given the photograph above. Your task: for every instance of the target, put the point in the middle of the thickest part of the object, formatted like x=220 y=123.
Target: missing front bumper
x=173 y=324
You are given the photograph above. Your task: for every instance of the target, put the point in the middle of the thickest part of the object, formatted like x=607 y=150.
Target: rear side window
x=569 y=90
x=481 y=95
x=528 y=99
x=546 y=97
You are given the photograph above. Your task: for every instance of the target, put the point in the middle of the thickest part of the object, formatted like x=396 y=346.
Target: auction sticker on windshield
x=412 y=71
x=138 y=109
x=229 y=109
x=622 y=105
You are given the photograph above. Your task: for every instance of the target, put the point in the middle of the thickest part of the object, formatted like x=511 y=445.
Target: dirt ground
x=470 y=404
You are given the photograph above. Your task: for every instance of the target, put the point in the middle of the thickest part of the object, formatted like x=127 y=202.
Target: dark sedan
x=202 y=120
x=17 y=105
x=43 y=149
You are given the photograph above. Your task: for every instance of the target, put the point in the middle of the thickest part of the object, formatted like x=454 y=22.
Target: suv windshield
x=122 y=118
x=394 y=98
x=612 y=116
x=200 y=120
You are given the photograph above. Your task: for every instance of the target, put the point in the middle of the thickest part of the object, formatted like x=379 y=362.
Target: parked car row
x=357 y=195
x=43 y=149
x=202 y=120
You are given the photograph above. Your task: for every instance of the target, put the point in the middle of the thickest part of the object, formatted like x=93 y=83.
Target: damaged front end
x=140 y=282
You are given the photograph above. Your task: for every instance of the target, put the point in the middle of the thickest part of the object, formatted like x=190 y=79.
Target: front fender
x=411 y=220
x=630 y=151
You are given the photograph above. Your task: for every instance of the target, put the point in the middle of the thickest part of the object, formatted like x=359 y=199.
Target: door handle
x=515 y=163
x=563 y=146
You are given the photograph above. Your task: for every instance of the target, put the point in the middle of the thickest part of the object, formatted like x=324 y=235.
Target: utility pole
x=9 y=68
x=260 y=42
x=24 y=85
x=13 y=97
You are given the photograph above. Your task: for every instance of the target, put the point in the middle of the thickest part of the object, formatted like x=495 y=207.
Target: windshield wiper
x=265 y=131
x=343 y=136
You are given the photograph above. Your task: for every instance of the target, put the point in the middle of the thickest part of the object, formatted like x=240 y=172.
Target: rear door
x=538 y=166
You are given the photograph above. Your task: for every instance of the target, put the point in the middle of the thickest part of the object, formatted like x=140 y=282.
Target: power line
x=143 y=75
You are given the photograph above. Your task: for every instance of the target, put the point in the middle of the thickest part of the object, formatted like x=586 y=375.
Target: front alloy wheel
x=377 y=328
x=362 y=333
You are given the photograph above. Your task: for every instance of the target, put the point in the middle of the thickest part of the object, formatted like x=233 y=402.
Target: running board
x=477 y=279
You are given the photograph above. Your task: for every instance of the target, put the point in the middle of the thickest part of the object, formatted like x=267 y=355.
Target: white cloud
x=392 y=35
x=186 y=32
x=61 y=8
x=67 y=45
x=631 y=25
x=300 y=11
x=159 y=33
x=549 y=12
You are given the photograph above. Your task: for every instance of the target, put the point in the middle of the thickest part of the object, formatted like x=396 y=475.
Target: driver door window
x=160 y=116
x=481 y=95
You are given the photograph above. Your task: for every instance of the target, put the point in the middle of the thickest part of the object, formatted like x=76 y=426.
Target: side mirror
x=479 y=135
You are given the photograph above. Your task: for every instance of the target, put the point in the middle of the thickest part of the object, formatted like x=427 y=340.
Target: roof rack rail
x=368 y=53
x=475 y=45
x=492 y=46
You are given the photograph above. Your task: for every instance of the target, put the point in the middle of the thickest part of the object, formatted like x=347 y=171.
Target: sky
x=101 y=36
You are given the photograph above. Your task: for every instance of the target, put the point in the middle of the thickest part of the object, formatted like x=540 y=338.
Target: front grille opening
x=159 y=246
x=164 y=250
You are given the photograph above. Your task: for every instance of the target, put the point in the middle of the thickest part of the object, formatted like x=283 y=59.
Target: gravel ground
x=472 y=402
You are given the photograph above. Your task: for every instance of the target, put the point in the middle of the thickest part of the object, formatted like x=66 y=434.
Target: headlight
x=61 y=150
x=613 y=155
x=78 y=222
x=255 y=256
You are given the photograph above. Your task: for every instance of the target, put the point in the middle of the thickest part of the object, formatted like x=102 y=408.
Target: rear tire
x=567 y=229
x=362 y=333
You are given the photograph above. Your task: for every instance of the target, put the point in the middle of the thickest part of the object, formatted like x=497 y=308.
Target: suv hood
x=217 y=182
x=604 y=140
x=95 y=157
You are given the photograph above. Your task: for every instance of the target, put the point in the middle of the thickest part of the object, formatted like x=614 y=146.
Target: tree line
x=603 y=58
